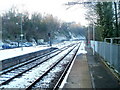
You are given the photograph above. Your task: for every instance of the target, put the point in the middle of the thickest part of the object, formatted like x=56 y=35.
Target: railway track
x=33 y=59
x=53 y=79
x=29 y=73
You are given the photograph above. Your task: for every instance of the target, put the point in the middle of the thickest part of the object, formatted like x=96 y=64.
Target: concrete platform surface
x=90 y=73
x=100 y=74
x=79 y=76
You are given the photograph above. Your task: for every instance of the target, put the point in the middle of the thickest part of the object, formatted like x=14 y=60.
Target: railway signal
x=49 y=35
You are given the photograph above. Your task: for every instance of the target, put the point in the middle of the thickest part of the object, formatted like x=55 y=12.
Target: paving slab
x=79 y=76
x=101 y=76
x=90 y=73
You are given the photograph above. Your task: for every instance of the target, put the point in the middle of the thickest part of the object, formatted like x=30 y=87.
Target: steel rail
x=24 y=63
x=65 y=70
x=7 y=81
x=31 y=60
x=46 y=72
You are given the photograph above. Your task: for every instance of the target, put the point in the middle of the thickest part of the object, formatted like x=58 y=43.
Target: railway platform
x=89 y=72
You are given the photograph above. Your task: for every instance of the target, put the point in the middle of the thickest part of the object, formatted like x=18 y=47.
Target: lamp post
x=21 y=26
x=116 y=18
x=0 y=28
x=21 y=33
x=93 y=28
x=93 y=39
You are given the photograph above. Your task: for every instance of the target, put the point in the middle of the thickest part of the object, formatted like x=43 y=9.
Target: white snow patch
x=68 y=72
x=82 y=48
x=33 y=74
x=9 y=53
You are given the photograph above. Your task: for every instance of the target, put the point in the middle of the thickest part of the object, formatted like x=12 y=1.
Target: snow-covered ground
x=9 y=53
x=82 y=49
x=32 y=74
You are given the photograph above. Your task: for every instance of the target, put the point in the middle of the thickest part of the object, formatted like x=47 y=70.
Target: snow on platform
x=9 y=53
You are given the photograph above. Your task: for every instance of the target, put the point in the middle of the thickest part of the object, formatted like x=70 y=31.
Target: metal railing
x=109 y=52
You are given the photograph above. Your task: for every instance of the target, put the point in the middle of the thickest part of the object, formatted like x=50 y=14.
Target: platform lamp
x=21 y=32
x=89 y=18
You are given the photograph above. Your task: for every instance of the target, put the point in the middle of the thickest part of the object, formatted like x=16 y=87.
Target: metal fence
x=110 y=53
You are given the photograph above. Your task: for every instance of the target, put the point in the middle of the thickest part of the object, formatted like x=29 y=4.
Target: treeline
x=35 y=27
x=106 y=17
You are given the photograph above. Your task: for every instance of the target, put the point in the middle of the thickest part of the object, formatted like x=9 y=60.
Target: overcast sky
x=54 y=7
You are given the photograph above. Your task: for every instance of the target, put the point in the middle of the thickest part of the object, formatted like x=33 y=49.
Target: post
x=104 y=47
x=93 y=39
x=88 y=36
x=49 y=35
x=0 y=28
x=111 y=43
x=21 y=35
x=116 y=17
